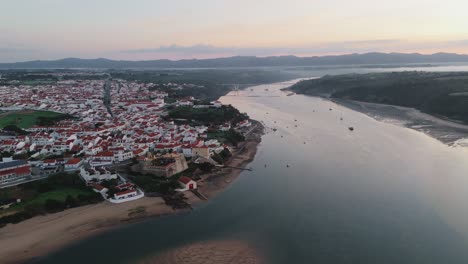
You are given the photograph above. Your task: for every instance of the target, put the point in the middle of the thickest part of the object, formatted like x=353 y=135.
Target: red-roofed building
x=13 y=170
x=73 y=164
x=125 y=194
x=186 y=184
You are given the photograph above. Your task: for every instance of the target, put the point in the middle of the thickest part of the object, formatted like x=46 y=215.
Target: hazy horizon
x=232 y=56
x=149 y=30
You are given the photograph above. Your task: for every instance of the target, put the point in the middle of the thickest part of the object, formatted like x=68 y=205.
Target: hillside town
x=107 y=125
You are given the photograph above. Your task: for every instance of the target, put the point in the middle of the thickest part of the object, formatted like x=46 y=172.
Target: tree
x=206 y=166
x=15 y=129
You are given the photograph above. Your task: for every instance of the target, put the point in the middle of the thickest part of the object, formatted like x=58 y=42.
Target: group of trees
x=208 y=116
x=14 y=129
x=222 y=157
x=234 y=137
x=155 y=184
x=51 y=120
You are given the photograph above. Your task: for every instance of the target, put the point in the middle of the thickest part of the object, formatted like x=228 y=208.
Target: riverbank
x=42 y=235
x=447 y=131
x=212 y=184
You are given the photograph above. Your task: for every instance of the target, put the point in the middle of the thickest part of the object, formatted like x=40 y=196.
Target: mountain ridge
x=243 y=61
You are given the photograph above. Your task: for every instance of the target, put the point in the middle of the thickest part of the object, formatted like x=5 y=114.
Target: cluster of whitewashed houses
x=99 y=137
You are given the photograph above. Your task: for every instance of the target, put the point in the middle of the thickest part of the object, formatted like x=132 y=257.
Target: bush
x=206 y=167
x=53 y=206
x=15 y=129
x=70 y=202
x=234 y=137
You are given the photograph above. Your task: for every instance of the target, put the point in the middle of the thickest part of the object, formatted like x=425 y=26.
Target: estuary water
x=318 y=193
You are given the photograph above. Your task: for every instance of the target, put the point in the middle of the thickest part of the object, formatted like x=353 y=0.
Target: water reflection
x=378 y=194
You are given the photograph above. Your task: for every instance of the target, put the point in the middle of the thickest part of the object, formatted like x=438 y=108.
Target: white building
x=73 y=164
x=125 y=194
x=97 y=174
x=186 y=184
x=123 y=155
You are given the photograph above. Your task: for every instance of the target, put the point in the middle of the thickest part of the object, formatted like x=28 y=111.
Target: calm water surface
x=379 y=194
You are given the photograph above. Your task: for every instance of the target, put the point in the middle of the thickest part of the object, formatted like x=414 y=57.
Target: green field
x=25 y=119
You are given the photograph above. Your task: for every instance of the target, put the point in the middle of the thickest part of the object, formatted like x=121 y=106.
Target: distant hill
x=438 y=93
x=242 y=61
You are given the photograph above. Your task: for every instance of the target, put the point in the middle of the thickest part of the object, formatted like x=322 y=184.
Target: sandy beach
x=209 y=252
x=42 y=235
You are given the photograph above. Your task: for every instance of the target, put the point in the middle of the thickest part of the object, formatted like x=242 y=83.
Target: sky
x=184 y=29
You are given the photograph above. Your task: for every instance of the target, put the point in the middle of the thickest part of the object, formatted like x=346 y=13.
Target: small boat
x=341 y=119
x=331 y=109
x=351 y=128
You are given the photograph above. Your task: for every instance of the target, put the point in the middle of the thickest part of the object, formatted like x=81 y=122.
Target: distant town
x=88 y=137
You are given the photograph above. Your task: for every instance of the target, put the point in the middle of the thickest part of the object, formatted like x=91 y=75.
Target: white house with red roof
x=245 y=123
x=186 y=184
x=13 y=171
x=73 y=164
x=126 y=192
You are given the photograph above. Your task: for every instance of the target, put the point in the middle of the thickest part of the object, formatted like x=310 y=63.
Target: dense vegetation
x=56 y=193
x=208 y=116
x=443 y=93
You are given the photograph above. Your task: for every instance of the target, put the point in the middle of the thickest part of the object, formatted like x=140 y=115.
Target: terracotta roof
x=124 y=192
x=73 y=161
x=184 y=179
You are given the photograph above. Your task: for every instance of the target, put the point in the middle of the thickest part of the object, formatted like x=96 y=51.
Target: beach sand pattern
x=213 y=252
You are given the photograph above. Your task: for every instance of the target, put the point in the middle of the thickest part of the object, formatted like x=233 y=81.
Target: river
x=318 y=193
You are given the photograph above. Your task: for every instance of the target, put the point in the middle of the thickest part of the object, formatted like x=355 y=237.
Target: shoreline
x=42 y=235
x=445 y=130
